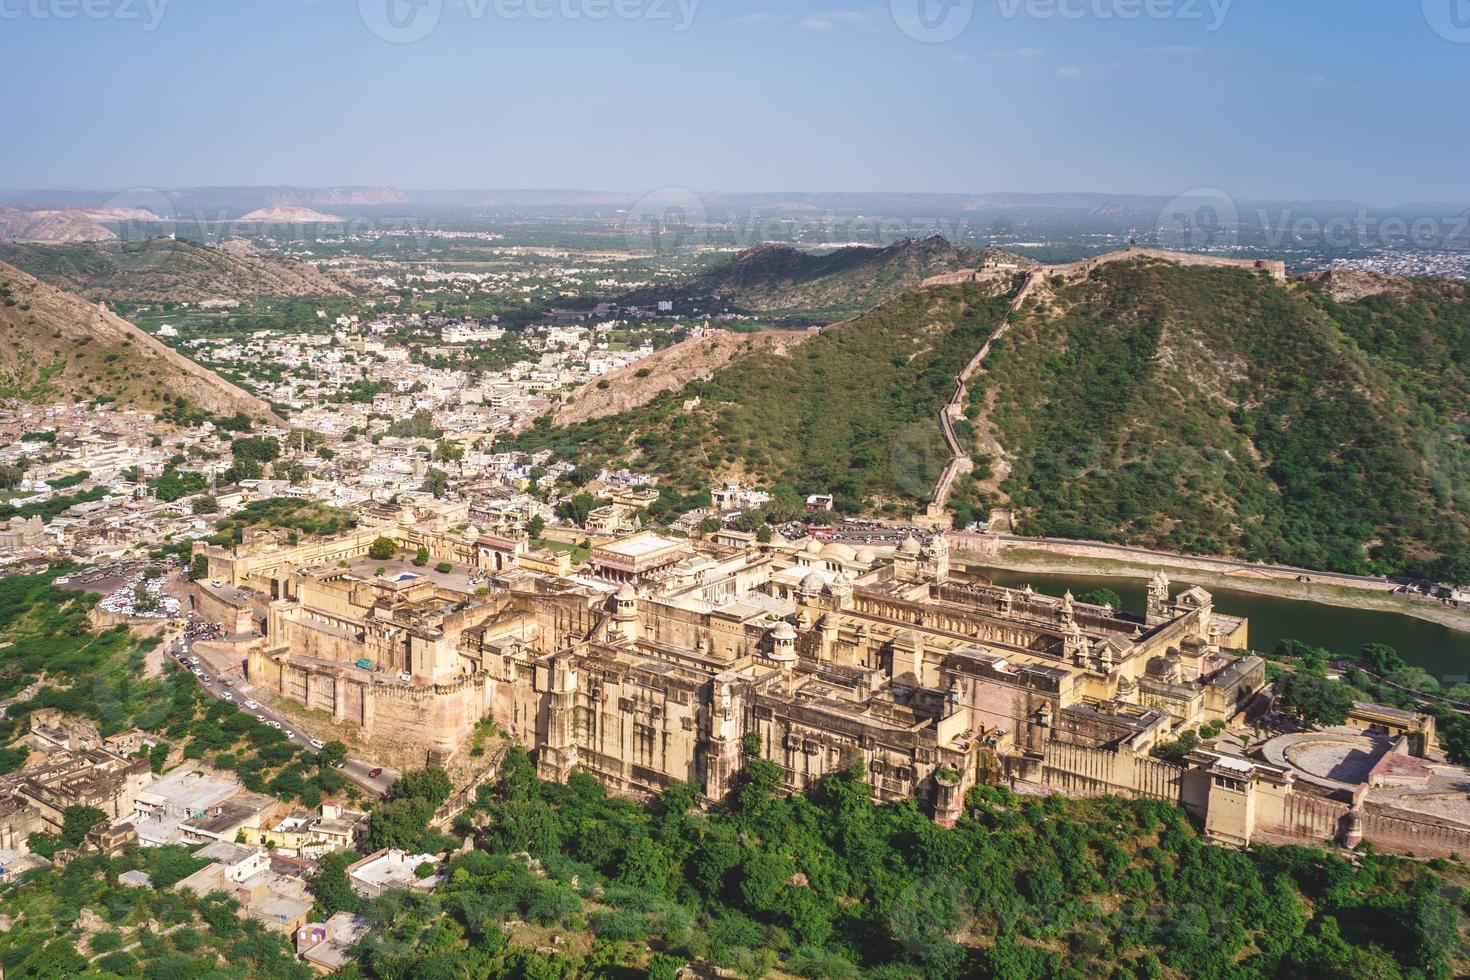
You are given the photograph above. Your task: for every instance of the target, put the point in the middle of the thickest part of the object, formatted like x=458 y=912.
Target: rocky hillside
x=787 y=284
x=53 y=226
x=1319 y=423
x=851 y=411
x=56 y=345
x=289 y=214
x=160 y=269
x=668 y=370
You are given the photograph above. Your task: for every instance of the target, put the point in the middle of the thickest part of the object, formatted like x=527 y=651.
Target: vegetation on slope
x=783 y=283
x=165 y=270
x=54 y=345
x=852 y=412
x=1220 y=412
x=81 y=921
x=310 y=517
x=832 y=886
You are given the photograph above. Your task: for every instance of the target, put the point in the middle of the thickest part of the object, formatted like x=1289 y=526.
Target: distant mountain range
x=224 y=202
x=200 y=203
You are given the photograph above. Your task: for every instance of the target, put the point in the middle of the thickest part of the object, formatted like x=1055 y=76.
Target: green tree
x=430 y=783
x=1381 y=658
x=243 y=468
x=262 y=449
x=330 y=884
x=332 y=754
x=77 y=821
x=382 y=549
x=1102 y=597
x=576 y=508
x=1313 y=699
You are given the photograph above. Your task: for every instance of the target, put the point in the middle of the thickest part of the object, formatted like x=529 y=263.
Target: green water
x=1442 y=651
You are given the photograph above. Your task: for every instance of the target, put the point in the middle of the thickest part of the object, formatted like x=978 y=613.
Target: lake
x=1442 y=651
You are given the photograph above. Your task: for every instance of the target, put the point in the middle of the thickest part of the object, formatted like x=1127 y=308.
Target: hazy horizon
x=892 y=96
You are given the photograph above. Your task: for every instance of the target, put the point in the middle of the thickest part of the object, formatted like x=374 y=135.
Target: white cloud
x=1013 y=54
x=833 y=19
x=1171 y=50
x=764 y=19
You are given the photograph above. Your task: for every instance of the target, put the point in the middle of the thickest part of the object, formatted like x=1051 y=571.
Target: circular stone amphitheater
x=1339 y=758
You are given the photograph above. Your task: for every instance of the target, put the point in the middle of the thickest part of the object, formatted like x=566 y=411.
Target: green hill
x=853 y=411
x=1217 y=411
x=1319 y=423
x=168 y=270
x=786 y=284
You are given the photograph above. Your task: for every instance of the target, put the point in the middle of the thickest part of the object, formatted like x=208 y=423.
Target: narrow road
x=370 y=777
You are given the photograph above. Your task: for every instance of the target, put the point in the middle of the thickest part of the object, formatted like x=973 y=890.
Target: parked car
x=376 y=772
x=252 y=705
x=317 y=743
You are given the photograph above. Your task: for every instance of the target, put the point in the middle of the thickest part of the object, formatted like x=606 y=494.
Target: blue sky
x=1360 y=99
